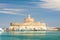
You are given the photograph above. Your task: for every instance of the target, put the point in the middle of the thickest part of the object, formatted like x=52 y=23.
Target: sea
x=30 y=35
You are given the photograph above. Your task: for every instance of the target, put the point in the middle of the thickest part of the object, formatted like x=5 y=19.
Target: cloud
x=7 y=12
x=15 y=11
x=12 y=9
x=1 y=4
x=8 y=9
x=50 y=4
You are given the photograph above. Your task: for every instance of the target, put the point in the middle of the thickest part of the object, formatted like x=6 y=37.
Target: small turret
x=29 y=16
x=28 y=19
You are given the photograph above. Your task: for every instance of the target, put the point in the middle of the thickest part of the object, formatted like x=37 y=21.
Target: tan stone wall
x=29 y=23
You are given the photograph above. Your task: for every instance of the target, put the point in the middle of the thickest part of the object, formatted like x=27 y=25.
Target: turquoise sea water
x=30 y=35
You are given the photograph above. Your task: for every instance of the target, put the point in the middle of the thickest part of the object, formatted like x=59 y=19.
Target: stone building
x=28 y=24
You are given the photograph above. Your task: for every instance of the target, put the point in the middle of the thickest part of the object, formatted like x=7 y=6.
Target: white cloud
x=12 y=11
x=1 y=4
x=7 y=12
x=50 y=4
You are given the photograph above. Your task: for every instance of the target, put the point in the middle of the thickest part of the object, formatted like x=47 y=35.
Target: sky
x=45 y=11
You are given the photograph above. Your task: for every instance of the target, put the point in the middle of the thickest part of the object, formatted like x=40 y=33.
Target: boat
x=1 y=30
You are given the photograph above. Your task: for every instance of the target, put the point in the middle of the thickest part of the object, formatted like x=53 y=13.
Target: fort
x=28 y=24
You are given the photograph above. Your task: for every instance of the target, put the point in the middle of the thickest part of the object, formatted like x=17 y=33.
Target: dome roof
x=28 y=19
